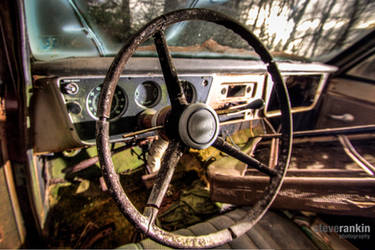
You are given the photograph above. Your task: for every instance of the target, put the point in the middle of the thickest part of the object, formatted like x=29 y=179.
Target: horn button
x=198 y=126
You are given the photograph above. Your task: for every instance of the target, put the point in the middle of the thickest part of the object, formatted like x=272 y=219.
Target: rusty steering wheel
x=182 y=132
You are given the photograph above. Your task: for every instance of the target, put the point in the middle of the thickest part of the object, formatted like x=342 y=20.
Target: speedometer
x=119 y=102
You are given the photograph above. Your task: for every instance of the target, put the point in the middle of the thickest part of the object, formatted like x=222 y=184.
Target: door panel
x=347 y=103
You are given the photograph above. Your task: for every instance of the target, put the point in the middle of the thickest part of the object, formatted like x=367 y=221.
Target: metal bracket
x=355 y=156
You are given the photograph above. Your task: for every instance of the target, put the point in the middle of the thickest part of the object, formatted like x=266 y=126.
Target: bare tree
x=297 y=17
x=170 y=5
x=246 y=8
x=260 y=7
x=328 y=24
x=113 y=17
x=319 y=32
x=355 y=10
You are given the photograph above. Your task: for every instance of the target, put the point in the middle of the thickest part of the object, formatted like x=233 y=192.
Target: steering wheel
x=189 y=125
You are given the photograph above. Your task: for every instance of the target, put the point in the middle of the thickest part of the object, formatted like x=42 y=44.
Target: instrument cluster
x=132 y=96
x=136 y=93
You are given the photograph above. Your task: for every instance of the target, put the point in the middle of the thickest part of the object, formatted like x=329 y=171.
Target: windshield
x=290 y=29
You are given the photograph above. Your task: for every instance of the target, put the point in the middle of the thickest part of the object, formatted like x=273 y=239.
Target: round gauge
x=119 y=102
x=189 y=91
x=147 y=94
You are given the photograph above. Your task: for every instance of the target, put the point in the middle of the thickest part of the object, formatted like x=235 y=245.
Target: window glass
x=300 y=30
x=365 y=69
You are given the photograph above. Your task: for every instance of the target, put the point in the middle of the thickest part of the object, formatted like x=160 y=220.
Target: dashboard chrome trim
x=146 y=65
x=217 y=98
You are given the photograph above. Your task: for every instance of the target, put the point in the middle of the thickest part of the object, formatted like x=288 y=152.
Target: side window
x=365 y=69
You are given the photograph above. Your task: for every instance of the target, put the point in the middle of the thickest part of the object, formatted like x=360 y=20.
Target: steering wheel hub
x=198 y=126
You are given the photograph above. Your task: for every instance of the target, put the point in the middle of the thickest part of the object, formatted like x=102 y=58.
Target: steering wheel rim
x=145 y=222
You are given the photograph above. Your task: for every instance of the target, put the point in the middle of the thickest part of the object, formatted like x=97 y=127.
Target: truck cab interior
x=187 y=124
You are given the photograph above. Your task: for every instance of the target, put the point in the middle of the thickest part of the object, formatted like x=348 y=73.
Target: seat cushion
x=273 y=231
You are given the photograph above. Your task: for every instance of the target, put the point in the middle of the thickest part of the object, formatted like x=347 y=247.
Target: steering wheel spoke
x=225 y=147
x=174 y=85
x=163 y=178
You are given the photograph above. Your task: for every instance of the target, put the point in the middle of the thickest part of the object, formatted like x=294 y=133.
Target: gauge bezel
x=194 y=90
x=115 y=117
x=158 y=98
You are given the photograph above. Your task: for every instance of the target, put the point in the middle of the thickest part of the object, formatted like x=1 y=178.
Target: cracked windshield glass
x=290 y=29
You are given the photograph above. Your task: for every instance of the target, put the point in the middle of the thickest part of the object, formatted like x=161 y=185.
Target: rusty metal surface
x=48 y=110
x=318 y=194
x=326 y=172
x=347 y=130
x=155 y=27
x=324 y=180
x=354 y=137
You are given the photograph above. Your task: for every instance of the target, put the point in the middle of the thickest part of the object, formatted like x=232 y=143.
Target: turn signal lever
x=254 y=105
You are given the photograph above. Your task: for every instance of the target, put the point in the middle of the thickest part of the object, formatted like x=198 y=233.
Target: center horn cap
x=198 y=126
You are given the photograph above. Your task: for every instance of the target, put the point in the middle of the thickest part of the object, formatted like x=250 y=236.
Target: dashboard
x=66 y=93
x=133 y=95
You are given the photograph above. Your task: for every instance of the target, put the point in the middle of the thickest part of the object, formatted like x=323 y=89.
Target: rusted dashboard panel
x=77 y=99
x=133 y=95
x=67 y=105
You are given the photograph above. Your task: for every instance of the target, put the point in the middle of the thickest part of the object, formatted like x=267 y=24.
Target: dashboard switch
x=74 y=108
x=70 y=88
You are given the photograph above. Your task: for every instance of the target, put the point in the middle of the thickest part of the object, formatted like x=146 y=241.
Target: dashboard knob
x=74 y=108
x=70 y=88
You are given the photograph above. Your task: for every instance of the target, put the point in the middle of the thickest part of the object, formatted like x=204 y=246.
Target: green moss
x=77 y=203
x=123 y=161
